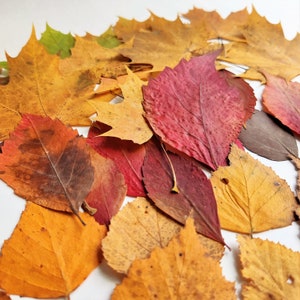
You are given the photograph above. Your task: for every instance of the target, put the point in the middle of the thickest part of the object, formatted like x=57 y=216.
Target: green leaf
x=57 y=42
x=108 y=39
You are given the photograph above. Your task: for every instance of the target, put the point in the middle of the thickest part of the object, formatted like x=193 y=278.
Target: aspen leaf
x=271 y=270
x=125 y=118
x=134 y=232
x=281 y=99
x=47 y=163
x=181 y=270
x=49 y=254
x=250 y=196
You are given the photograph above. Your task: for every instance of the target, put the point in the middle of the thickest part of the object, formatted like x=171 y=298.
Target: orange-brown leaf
x=4 y=296
x=49 y=253
x=271 y=270
x=182 y=270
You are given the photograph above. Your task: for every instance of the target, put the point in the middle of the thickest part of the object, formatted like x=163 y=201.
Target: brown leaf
x=250 y=196
x=4 y=296
x=182 y=270
x=271 y=270
x=134 y=232
x=49 y=254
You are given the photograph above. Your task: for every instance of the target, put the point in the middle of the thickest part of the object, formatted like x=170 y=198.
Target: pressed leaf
x=128 y=156
x=250 y=196
x=263 y=136
x=194 y=197
x=47 y=163
x=49 y=254
x=198 y=110
x=134 y=232
x=174 y=272
x=281 y=99
x=57 y=42
x=271 y=270
x=125 y=118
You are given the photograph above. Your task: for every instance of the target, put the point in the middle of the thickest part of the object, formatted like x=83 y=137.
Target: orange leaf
x=49 y=254
x=271 y=270
x=4 y=296
x=250 y=196
x=182 y=270
x=47 y=163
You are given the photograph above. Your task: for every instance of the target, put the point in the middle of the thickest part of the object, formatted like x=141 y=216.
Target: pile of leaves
x=168 y=127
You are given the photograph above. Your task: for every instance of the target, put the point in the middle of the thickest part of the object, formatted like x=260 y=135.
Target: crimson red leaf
x=198 y=110
x=282 y=100
x=127 y=155
x=195 y=194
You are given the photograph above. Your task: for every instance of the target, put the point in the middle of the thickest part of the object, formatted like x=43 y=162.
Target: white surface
x=79 y=17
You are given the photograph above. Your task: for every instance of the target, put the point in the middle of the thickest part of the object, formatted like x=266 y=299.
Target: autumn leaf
x=250 y=196
x=270 y=269
x=134 y=232
x=108 y=39
x=57 y=42
x=194 y=197
x=47 y=163
x=4 y=296
x=125 y=118
x=264 y=48
x=37 y=87
x=281 y=99
x=174 y=272
x=128 y=156
x=198 y=110
x=296 y=161
x=263 y=136
x=49 y=254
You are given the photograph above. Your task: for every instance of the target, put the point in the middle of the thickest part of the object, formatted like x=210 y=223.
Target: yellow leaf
x=271 y=270
x=49 y=254
x=182 y=270
x=250 y=196
x=125 y=118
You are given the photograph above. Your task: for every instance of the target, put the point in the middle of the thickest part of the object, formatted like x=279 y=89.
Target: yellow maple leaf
x=271 y=270
x=125 y=118
x=182 y=270
x=49 y=253
x=250 y=196
x=37 y=87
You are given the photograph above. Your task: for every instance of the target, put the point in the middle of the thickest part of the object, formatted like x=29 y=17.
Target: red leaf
x=195 y=191
x=198 y=110
x=282 y=100
x=127 y=155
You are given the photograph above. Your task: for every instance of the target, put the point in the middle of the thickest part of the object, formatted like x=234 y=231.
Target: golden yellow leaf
x=49 y=254
x=250 y=196
x=182 y=270
x=125 y=118
x=134 y=232
x=271 y=270
x=37 y=87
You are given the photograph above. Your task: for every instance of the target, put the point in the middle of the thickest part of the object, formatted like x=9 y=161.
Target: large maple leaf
x=198 y=110
x=36 y=86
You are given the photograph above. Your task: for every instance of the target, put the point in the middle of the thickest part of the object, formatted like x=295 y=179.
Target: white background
x=80 y=16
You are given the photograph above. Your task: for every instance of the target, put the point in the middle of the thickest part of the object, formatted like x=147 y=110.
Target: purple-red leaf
x=195 y=196
x=198 y=110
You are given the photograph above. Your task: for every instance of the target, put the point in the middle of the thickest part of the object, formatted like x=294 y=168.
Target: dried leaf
x=134 y=232
x=128 y=156
x=271 y=270
x=296 y=161
x=4 y=296
x=194 y=197
x=49 y=254
x=263 y=136
x=250 y=196
x=175 y=272
x=47 y=163
x=198 y=110
x=281 y=99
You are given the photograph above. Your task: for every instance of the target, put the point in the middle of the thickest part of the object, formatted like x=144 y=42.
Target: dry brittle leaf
x=49 y=253
x=134 y=232
x=271 y=270
x=182 y=270
x=250 y=196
